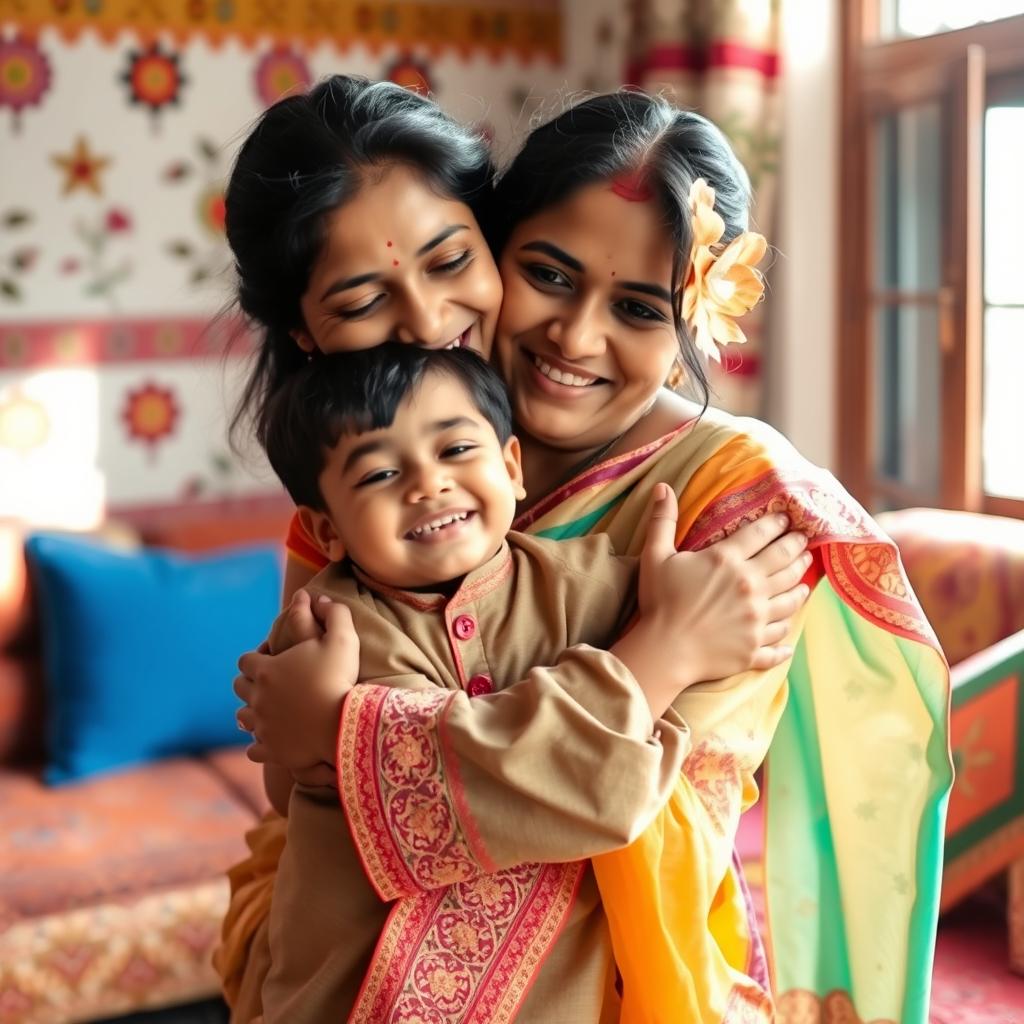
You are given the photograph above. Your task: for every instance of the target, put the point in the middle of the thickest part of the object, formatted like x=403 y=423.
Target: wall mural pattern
x=119 y=120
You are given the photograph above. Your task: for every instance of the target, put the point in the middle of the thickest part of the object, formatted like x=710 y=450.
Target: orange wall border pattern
x=526 y=28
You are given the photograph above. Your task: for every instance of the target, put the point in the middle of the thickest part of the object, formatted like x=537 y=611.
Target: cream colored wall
x=801 y=367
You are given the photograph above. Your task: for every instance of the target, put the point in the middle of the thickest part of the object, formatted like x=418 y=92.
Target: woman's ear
x=303 y=339
x=320 y=529
x=514 y=464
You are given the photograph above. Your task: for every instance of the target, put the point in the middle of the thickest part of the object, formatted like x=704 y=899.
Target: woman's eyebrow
x=549 y=249
x=440 y=237
x=355 y=282
x=644 y=288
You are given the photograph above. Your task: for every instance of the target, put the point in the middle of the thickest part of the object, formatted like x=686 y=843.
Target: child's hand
x=293 y=699
x=295 y=624
x=712 y=613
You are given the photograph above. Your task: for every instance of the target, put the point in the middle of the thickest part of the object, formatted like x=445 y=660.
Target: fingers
x=782 y=554
x=251 y=664
x=337 y=620
x=243 y=688
x=753 y=538
x=660 y=541
x=784 y=606
x=257 y=752
x=245 y=718
x=789 y=575
x=770 y=657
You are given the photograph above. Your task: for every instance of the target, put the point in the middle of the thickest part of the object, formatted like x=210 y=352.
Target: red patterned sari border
x=603 y=472
x=861 y=562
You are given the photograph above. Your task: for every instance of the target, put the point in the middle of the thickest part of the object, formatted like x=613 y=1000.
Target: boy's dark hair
x=354 y=392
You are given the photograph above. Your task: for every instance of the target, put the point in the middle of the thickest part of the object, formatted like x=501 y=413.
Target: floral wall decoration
x=154 y=78
x=149 y=414
x=207 y=255
x=16 y=258
x=119 y=122
x=280 y=72
x=24 y=73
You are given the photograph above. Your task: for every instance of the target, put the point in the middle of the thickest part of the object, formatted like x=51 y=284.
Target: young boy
x=406 y=473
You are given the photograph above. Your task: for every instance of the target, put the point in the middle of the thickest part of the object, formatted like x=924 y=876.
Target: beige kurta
x=475 y=782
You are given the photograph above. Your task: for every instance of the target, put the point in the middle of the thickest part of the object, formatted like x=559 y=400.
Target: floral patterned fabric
x=968 y=571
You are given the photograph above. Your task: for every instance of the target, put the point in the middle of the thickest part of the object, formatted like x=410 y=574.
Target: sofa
x=968 y=572
x=112 y=888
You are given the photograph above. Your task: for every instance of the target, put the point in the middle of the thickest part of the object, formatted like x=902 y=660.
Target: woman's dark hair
x=307 y=156
x=621 y=133
x=355 y=392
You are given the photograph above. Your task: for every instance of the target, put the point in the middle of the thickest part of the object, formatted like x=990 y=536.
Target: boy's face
x=424 y=501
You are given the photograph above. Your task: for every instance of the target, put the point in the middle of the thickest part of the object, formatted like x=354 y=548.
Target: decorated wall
x=119 y=120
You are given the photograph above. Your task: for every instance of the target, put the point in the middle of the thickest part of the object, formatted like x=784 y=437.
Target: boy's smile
x=425 y=500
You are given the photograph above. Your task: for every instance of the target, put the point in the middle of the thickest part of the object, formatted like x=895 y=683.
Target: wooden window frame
x=957 y=67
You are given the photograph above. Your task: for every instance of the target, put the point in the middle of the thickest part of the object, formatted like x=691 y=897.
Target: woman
x=583 y=303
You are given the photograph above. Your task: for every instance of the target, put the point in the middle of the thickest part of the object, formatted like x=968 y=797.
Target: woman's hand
x=293 y=699
x=712 y=613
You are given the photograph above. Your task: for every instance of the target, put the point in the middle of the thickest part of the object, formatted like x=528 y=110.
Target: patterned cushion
x=968 y=572
x=242 y=776
x=113 y=838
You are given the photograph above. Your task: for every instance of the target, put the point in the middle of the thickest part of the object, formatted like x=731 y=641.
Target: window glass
x=901 y=18
x=907 y=192
x=1003 y=421
x=908 y=396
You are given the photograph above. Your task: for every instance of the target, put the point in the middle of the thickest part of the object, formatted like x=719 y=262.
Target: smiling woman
x=352 y=216
x=400 y=261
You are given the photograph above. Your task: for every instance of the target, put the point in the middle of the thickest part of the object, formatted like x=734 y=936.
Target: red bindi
x=394 y=263
x=632 y=186
x=613 y=273
x=390 y=244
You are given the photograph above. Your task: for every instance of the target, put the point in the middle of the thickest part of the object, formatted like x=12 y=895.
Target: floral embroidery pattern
x=714 y=772
x=798 y=1006
x=467 y=953
x=396 y=792
x=861 y=561
x=749 y=1004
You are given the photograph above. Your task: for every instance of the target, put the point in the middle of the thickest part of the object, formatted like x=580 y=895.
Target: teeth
x=438 y=524
x=457 y=343
x=560 y=377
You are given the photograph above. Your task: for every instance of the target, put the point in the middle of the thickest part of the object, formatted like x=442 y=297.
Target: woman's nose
x=421 y=317
x=580 y=332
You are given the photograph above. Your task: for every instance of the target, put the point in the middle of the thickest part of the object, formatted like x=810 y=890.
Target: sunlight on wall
x=49 y=449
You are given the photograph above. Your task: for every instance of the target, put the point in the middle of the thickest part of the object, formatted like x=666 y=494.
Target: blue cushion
x=140 y=647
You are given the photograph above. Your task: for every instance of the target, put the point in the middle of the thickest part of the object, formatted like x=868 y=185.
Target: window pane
x=926 y=17
x=1003 y=423
x=908 y=199
x=908 y=385
x=1004 y=206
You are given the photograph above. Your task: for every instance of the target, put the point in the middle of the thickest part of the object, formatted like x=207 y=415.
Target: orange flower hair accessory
x=722 y=283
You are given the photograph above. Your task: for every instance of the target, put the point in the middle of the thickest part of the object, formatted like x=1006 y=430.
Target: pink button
x=478 y=686
x=464 y=627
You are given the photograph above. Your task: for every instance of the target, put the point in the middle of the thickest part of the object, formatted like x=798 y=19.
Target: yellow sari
x=858 y=770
